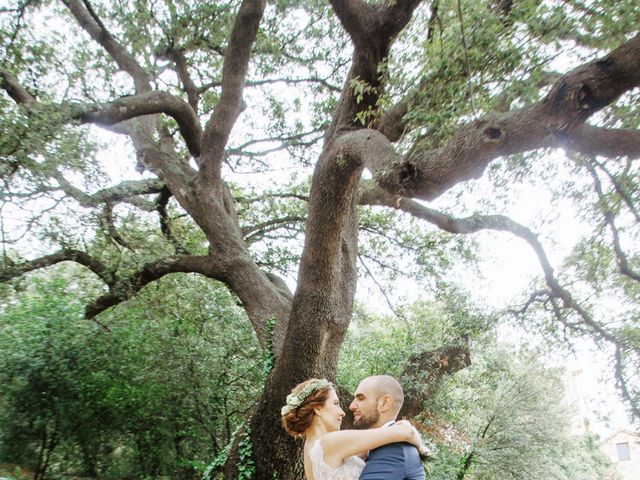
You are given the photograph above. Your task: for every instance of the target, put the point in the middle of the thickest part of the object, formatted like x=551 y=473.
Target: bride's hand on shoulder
x=407 y=430
x=414 y=436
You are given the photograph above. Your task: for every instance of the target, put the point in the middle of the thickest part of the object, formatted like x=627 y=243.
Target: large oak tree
x=422 y=95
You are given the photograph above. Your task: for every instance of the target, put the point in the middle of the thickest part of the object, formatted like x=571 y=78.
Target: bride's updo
x=298 y=412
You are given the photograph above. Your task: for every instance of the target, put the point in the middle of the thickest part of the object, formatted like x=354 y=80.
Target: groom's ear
x=385 y=402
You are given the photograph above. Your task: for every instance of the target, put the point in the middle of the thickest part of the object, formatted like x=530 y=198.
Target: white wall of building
x=623 y=448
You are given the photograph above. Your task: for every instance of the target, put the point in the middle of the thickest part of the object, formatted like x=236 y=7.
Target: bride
x=313 y=412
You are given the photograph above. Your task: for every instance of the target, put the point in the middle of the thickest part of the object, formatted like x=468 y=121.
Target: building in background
x=623 y=448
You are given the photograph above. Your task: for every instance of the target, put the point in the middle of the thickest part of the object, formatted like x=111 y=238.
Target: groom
x=376 y=403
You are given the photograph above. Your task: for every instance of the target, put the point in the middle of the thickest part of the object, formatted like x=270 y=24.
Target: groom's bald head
x=387 y=385
x=377 y=400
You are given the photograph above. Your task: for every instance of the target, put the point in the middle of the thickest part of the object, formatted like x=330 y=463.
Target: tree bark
x=323 y=302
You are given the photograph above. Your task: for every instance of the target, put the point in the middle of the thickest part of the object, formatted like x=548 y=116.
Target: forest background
x=191 y=194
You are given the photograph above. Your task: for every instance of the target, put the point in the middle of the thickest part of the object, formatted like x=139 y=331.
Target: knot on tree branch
x=408 y=173
x=584 y=97
x=493 y=134
x=489 y=130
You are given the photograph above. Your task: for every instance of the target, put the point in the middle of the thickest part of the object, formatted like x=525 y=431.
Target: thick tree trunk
x=323 y=302
x=321 y=311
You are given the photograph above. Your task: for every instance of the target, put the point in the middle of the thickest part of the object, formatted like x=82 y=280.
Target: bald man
x=376 y=404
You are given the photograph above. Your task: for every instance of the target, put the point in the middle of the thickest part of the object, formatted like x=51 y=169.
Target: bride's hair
x=298 y=419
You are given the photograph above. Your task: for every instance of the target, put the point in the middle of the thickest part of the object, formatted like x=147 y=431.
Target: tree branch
x=126 y=288
x=261 y=228
x=124 y=108
x=15 y=90
x=607 y=142
x=620 y=190
x=124 y=191
x=433 y=19
x=165 y=226
x=535 y=297
x=12 y=270
x=190 y=88
x=109 y=225
x=145 y=104
x=381 y=289
x=234 y=72
x=142 y=130
x=552 y=122
x=373 y=195
x=476 y=223
x=621 y=383
x=294 y=139
x=288 y=81
x=89 y=21
x=297 y=196
x=391 y=123
x=609 y=218
x=424 y=372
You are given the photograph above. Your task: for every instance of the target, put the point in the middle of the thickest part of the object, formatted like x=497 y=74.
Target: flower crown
x=294 y=400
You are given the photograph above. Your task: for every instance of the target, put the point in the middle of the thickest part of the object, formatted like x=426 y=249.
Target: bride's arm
x=345 y=443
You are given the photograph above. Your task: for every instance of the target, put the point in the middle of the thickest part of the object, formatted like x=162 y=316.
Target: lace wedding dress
x=349 y=470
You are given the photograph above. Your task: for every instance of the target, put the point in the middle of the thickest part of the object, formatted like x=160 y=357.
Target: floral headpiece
x=294 y=400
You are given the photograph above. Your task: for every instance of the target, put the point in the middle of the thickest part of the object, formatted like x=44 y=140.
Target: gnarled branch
x=190 y=88
x=424 y=372
x=126 y=288
x=108 y=223
x=145 y=104
x=373 y=195
x=165 y=226
x=607 y=142
x=556 y=121
x=13 y=270
x=609 y=218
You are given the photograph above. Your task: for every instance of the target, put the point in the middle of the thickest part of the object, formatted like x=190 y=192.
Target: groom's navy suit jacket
x=395 y=461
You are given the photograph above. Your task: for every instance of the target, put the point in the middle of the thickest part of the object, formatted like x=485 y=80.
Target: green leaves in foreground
x=157 y=393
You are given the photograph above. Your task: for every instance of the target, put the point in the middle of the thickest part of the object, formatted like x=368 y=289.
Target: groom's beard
x=366 y=421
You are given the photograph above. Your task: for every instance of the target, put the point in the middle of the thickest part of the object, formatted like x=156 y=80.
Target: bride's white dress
x=349 y=470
